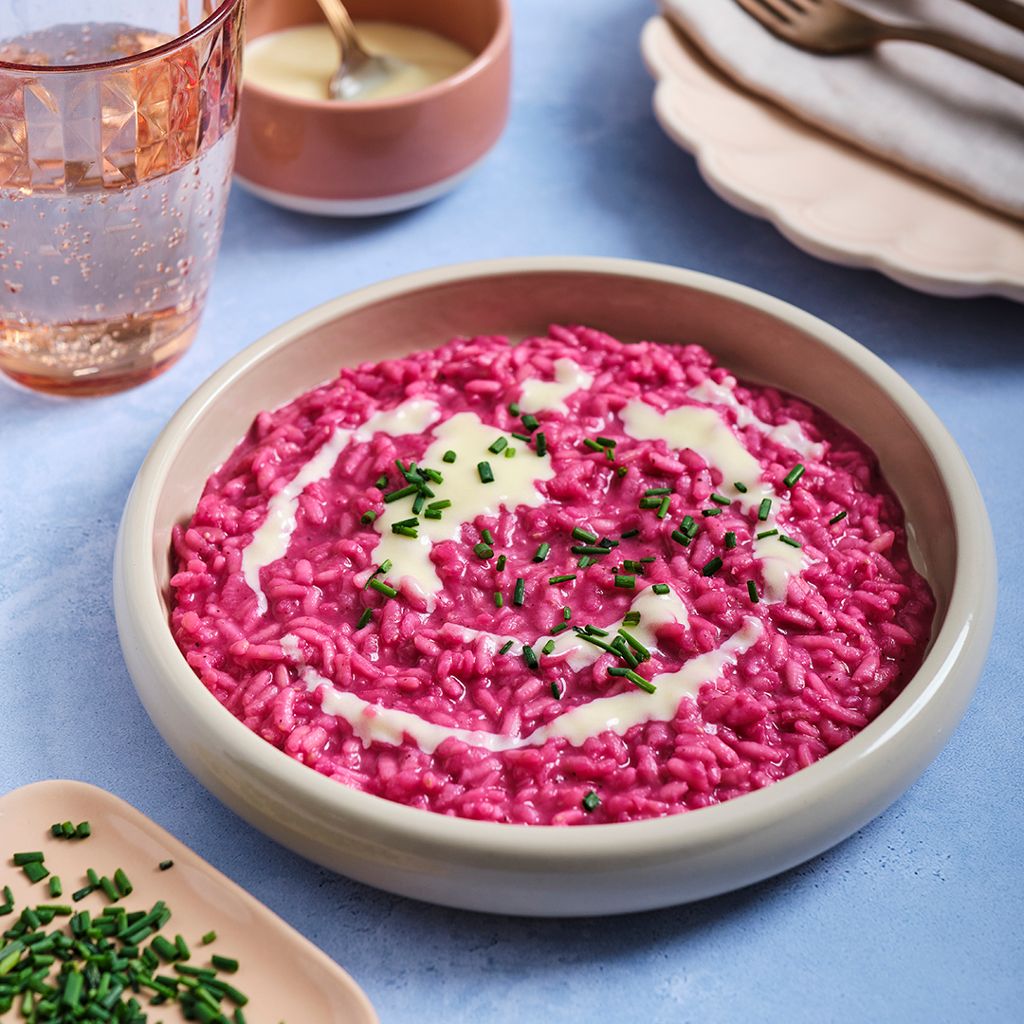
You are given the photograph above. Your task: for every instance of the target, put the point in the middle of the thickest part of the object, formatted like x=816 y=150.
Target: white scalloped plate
x=831 y=200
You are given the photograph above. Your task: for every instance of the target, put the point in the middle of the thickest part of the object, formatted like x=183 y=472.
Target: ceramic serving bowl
x=596 y=869
x=378 y=156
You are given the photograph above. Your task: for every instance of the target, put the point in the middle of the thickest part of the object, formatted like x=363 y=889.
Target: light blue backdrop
x=917 y=918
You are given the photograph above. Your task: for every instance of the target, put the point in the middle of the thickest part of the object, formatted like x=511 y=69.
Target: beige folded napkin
x=917 y=106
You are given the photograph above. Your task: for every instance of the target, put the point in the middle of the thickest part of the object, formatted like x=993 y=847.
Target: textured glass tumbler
x=117 y=139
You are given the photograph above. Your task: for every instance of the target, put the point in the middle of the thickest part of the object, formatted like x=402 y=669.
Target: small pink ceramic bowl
x=379 y=156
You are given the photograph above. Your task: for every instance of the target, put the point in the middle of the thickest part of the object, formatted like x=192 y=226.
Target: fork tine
x=765 y=12
x=775 y=10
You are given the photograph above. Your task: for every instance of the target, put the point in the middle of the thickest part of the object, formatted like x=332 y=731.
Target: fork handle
x=1010 y=11
x=1000 y=63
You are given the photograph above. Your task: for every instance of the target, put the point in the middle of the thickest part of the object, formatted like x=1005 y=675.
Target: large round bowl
x=598 y=869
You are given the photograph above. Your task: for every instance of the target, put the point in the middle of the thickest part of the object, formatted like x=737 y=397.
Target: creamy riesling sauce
x=300 y=61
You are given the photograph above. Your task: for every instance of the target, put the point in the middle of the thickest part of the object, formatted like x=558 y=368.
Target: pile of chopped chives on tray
x=59 y=964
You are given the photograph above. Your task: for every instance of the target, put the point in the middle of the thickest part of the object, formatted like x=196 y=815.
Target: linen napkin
x=926 y=110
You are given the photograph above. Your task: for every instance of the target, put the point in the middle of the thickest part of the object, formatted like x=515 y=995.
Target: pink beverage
x=116 y=149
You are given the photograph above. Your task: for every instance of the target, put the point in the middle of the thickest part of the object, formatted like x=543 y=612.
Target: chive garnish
x=585 y=562
x=432 y=513
x=449 y=456
x=719 y=499
x=590 y=549
x=498 y=445
x=836 y=518
x=83 y=830
x=766 y=533
x=712 y=567
x=660 y=588
x=530 y=421
x=645 y=654
x=752 y=591
x=680 y=538
x=418 y=502
x=35 y=871
x=663 y=507
x=548 y=647
x=506 y=647
x=405 y=531
x=381 y=482
x=485 y=471
x=568 y=577
x=224 y=963
x=625 y=581
x=510 y=453
x=513 y=408
x=368 y=516
x=208 y=938
x=689 y=526
x=657 y=490
x=593 y=445
x=560 y=628
x=566 y=613
x=793 y=475
x=56 y=889
x=542 y=443
x=591 y=802
x=621 y=470
x=529 y=657
x=401 y=492
x=635 y=532
x=520 y=437
x=740 y=486
x=165 y=865
x=542 y=552
x=519 y=594
x=649 y=503
x=122 y=882
x=764 y=509
x=730 y=539
x=383 y=588
x=634 y=677
x=364 y=618
x=499 y=600
x=483 y=551
x=556 y=691
x=631 y=619
x=709 y=512
x=789 y=540
x=586 y=536
x=500 y=564
x=28 y=857
x=595 y=630
x=487 y=536
x=433 y=475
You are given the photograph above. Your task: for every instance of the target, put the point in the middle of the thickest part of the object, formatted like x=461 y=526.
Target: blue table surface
x=915 y=918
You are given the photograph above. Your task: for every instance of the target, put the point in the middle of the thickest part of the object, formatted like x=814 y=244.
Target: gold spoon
x=359 y=71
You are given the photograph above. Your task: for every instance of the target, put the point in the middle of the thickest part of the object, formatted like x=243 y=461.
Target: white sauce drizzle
x=538 y=395
x=515 y=483
x=373 y=723
x=271 y=539
x=791 y=434
x=704 y=431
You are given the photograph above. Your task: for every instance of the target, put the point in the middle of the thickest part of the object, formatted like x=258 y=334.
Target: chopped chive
x=560 y=628
x=709 y=512
x=634 y=677
x=595 y=630
x=56 y=831
x=542 y=552
x=593 y=445
x=556 y=691
x=566 y=613
x=499 y=600
x=530 y=421
x=632 y=565
x=752 y=591
x=608 y=442
x=585 y=562
x=80 y=894
x=719 y=499
x=836 y=518
x=764 y=509
x=109 y=889
x=648 y=558
x=591 y=802
x=123 y=883
x=405 y=531
x=83 y=830
x=449 y=456
x=712 y=567
x=548 y=647
x=208 y=938
x=224 y=963
x=529 y=657
x=657 y=490
x=635 y=532
x=506 y=647
x=645 y=654
x=165 y=865
x=498 y=445
x=34 y=871
x=510 y=453
x=485 y=471
x=681 y=538
x=401 y=492
x=432 y=513
x=368 y=516
x=433 y=475
x=649 y=503
x=793 y=475
x=513 y=408
x=56 y=889
x=663 y=507
x=418 y=502
x=766 y=533
x=383 y=588
x=519 y=594
x=521 y=437
x=631 y=619
x=542 y=443
x=29 y=857
x=621 y=470
x=568 y=577
x=660 y=588
x=740 y=486
x=483 y=551
x=586 y=536
x=381 y=482
x=487 y=536
x=789 y=540
x=730 y=539
x=184 y=953
x=500 y=564
x=413 y=522
x=590 y=549
x=625 y=581
x=364 y=618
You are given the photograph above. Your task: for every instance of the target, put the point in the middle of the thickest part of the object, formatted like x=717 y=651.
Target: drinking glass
x=117 y=139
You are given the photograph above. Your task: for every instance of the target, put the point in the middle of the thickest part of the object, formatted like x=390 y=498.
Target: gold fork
x=827 y=26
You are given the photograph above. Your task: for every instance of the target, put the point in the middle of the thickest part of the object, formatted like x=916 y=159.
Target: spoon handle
x=344 y=31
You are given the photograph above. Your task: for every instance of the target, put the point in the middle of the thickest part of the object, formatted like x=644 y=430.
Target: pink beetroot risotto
x=563 y=582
